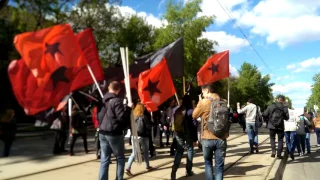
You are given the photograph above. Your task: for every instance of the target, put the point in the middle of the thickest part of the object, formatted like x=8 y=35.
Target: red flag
x=216 y=68
x=155 y=86
x=34 y=98
x=49 y=52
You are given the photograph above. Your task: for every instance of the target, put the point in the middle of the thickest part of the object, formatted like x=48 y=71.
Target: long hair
x=138 y=110
x=7 y=117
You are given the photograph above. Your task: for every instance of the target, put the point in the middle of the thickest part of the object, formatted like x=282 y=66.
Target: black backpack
x=277 y=116
x=218 y=122
x=140 y=124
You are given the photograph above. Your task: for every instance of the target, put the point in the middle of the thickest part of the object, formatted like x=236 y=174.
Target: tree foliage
x=314 y=98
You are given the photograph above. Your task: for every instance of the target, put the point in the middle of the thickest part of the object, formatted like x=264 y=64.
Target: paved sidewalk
x=305 y=167
x=33 y=159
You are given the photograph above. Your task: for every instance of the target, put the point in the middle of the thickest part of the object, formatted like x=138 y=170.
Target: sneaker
x=279 y=157
x=318 y=145
x=188 y=174
x=301 y=154
x=273 y=155
x=128 y=172
x=257 y=149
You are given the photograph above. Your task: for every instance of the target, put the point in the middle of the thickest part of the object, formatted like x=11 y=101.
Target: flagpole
x=135 y=141
x=95 y=80
x=228 y=91
x=70 y=119
x=184 y=84
x=177 y=98
x=88 y=95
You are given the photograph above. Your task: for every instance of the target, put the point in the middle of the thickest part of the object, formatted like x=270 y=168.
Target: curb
x=278 y=167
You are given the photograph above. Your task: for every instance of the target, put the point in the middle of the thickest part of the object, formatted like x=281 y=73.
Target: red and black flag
x=156 y=86
x=174 y=54
x=216 y=68
x=51 y=54
x=46 y=77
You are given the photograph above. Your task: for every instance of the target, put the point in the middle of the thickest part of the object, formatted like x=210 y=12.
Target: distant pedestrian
x=8 y=128
x=251 y=111
x=303 y=122
x=316 y=122
x=114 y=118
x=290 y=132
x=61 y=131
x=276 y=113
x=78 y=129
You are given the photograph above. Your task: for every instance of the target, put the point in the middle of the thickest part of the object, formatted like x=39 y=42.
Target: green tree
x=251 y=84
x=314 y=98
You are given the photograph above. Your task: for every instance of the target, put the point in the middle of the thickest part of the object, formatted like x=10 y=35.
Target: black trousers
x=97 y=144
x=151 y=147
x=7 y=147
x=273 y=133
x=75 y=137
x=59 y=142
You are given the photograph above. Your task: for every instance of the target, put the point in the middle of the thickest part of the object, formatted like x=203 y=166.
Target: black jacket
x=268 y=114
x=114 y=116
x=191 y=130
x=146 y=127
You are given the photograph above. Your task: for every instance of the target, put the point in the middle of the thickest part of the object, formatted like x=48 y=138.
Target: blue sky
x=285 y=33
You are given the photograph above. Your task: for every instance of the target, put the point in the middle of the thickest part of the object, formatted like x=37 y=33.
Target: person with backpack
x=215 y=127
x=114 y=118
x=170 y=112
x=143 y=127
x=252 y=111
x=303 y=122
x=276 y=113
x=186 y=135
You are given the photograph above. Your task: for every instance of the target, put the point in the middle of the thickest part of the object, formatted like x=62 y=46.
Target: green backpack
x=178 y=122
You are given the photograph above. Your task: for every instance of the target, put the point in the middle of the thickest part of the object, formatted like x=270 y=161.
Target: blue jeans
x=181 y=143
x=144 y=142
x=252 y=131
x=317 y=130
x=109 y=144
x=308 y=142
x=219 y=147
x=291 y=140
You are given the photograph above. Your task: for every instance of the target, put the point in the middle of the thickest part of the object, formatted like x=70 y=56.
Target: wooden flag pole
x=95 y=80
x=184 y=85
x=177 y=98
x=70 y=119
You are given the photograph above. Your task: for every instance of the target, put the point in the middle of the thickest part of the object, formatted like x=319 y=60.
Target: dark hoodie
x=114 y=116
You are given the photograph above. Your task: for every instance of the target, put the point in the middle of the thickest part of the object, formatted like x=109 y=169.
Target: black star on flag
x=59 y=76
x=214 y=68
x=152 y=87
x=53 y=49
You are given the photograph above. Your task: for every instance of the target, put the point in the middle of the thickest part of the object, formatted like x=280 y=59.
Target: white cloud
x=150 y=18
x=305 y=65
x=284 y=22
x=212 y=7
x=298 y=92
x=234 y=71
x=226 y=41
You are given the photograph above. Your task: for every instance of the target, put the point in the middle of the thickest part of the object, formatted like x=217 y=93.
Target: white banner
x=291 y=124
